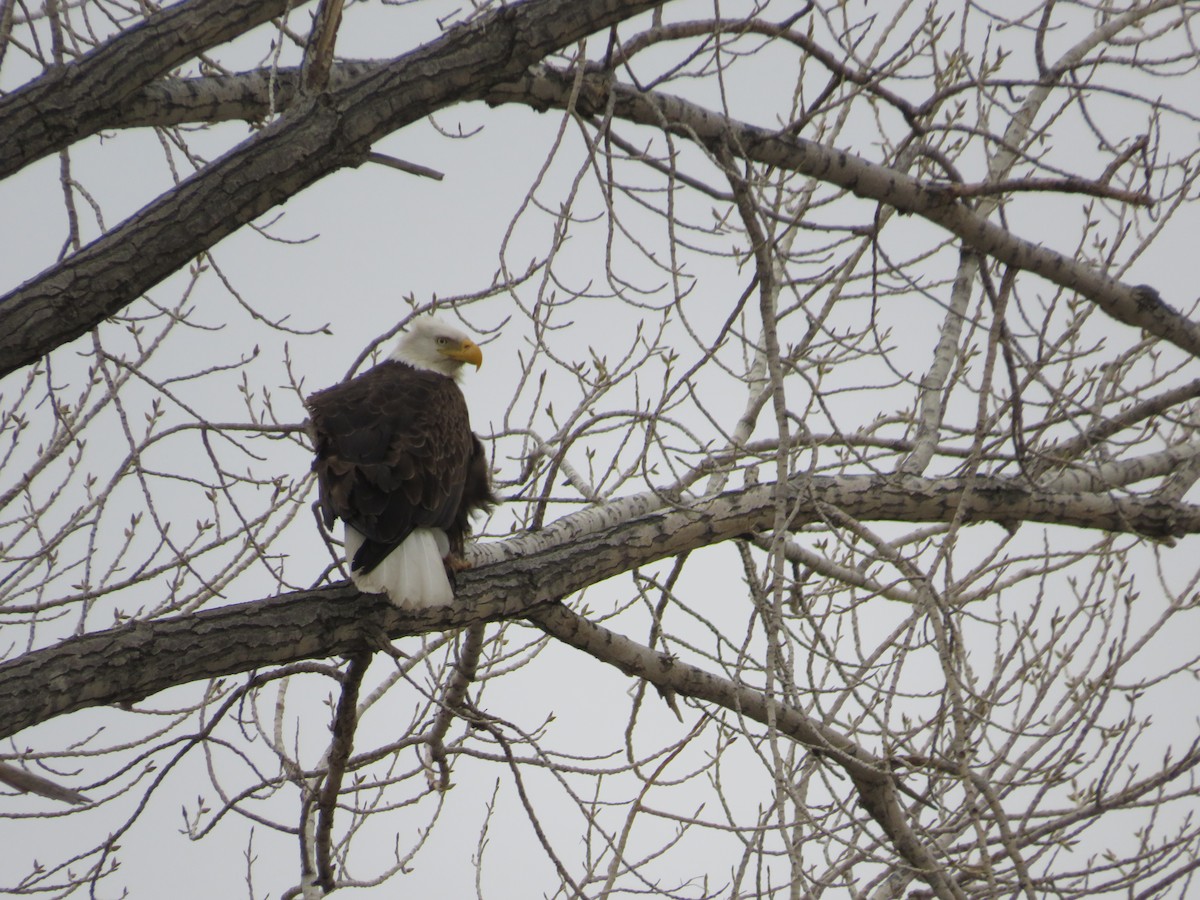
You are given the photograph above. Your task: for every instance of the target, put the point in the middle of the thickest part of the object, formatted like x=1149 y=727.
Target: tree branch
x=28 y=783
x=1139 y=306
x=128 y=663
x=345 y=721
x=313 y=139
x=453 y=696
x=318 y=54
x=872 y=778
x=77 y=100
x=316 y=137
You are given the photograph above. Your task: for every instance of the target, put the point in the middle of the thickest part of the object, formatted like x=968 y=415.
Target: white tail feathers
x=412 y=575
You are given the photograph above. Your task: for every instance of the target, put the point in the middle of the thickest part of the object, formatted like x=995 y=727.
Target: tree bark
x=312 y=141
x=77 y=100
x=314 y=138
x=130 y=662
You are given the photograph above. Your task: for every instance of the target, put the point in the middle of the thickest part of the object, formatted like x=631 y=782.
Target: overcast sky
x=351 y=252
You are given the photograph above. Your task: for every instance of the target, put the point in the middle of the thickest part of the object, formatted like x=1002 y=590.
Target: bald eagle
x=397 y=462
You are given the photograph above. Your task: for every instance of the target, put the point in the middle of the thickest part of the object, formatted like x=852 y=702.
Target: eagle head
x=430 y=344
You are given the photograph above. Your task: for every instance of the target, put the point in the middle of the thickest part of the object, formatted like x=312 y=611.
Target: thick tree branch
x=240 y=97
x=1139 y=306
x=317 y=136
x=312 y=140
x=134 y=661
x=57 y=109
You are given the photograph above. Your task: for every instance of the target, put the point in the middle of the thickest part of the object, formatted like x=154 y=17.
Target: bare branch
x=318 y=53
x=305 y=144
x=512 y=578
x=345 y=721
x=44 y=115
x=29 y=783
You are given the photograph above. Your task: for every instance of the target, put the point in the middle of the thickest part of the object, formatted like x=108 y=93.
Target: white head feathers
x=430 y=344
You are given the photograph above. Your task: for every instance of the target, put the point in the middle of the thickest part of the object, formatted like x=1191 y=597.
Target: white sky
x=378 y=236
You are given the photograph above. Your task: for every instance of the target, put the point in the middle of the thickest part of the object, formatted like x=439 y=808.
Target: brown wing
x=394 y=449
x=477 y=495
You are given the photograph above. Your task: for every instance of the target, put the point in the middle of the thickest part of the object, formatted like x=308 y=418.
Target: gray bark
x=77 y=100
x=314 y=138
x=128 y=663
x=368 y=100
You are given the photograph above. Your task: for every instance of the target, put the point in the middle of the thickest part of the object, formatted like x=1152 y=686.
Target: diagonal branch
x=877 y=788
x=1139 y=306
x=26 y=782
x=316 y=137
x=55 y=110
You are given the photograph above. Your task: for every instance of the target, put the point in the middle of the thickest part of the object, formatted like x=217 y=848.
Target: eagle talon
x=453 y=565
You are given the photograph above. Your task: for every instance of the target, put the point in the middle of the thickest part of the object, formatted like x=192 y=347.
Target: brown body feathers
x=395 y=452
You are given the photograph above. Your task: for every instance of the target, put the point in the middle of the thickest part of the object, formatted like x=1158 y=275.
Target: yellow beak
x=468 y=352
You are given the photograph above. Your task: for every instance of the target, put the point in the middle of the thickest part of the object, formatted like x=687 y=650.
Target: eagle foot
x=453 y=565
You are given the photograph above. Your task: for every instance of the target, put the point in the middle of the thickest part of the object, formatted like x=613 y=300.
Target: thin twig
x=404 y=166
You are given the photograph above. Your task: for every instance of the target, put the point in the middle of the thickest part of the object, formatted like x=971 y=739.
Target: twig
x=405 y=166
